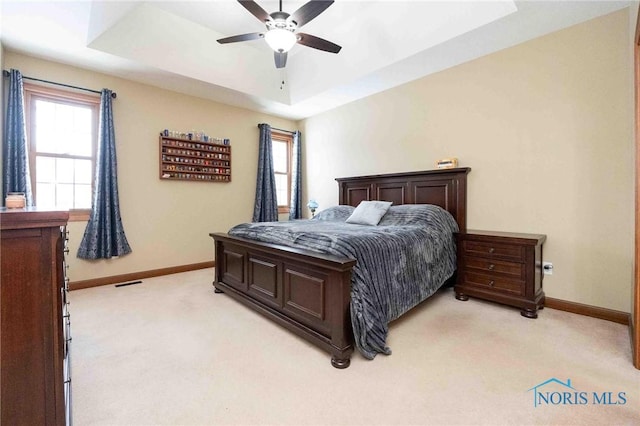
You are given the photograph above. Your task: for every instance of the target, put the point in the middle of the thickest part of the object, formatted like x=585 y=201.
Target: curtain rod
x=6 y=74
x=280 y=130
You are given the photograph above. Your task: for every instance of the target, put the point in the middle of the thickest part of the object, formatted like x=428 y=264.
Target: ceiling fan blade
x=281 y=59
x=317 y=43
x=309 y=11
x=255 y=10
x=241 y=37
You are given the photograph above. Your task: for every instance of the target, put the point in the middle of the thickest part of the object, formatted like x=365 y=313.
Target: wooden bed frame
x=309 y=293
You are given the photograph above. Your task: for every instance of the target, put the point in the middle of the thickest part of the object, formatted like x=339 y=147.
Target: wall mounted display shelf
x=194 y=160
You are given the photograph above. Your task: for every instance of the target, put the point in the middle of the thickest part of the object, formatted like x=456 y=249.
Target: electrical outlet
x=547 y=268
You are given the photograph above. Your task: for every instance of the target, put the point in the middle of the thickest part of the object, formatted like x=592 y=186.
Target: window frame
x=288 y=139
x=32 y=93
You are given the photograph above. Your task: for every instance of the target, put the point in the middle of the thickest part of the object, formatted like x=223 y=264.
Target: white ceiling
x=172 y=44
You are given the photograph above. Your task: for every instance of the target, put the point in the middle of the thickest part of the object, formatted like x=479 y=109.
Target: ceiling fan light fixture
x=280 y=40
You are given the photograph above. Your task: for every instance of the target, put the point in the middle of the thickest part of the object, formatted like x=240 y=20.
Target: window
x=62 y=134
x=281 y=144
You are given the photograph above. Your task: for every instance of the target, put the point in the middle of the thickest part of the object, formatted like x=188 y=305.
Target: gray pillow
x=369 y=212
x=335 y=213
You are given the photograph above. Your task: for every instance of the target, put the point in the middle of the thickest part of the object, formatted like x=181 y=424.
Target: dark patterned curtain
x=266 y=206
x=295 y=210
x=15 y=153
x=104 y=236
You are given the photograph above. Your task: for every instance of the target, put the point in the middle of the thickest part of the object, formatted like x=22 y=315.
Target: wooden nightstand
x=502 y=267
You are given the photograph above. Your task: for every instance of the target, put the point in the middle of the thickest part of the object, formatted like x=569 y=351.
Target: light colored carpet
x=170 y=351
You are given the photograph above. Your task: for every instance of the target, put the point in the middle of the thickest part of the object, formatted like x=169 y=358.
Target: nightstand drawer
x=489 y=249
x=493 y=266
x=493 y=282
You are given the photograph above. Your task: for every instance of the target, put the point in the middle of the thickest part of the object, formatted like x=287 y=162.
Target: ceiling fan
x=281 y=32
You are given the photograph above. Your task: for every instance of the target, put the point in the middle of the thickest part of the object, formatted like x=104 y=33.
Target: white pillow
x=369 y=212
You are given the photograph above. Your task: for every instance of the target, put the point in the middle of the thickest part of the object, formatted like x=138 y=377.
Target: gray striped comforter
x=400 y=262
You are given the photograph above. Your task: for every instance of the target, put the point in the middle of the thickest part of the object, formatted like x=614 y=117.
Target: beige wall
x=546 y=127
x=166 y=223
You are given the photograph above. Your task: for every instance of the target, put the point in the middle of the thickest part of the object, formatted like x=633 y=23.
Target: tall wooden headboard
x=446 y=188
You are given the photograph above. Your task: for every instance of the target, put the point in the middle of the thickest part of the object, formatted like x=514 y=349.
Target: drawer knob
x=491 y=250
x=491 y=283
x=491 y=267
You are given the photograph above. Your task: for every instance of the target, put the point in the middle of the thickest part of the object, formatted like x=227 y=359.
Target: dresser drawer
x=491 y=250
x=493 y=266
x=494 y=282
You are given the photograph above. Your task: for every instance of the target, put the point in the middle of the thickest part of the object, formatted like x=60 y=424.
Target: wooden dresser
x=502 y=267
x=35 y=386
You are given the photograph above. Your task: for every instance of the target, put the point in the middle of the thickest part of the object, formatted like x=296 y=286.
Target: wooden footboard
x=306 y=292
